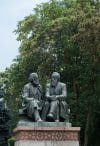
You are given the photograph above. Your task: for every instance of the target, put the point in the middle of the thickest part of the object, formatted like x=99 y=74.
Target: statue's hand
x=28 y=99
x=57 y=97
x=52 y=98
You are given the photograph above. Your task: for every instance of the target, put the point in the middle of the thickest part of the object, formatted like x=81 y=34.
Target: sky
x=11 y=12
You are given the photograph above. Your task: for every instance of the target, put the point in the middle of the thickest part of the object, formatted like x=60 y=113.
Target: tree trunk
x=86 y=133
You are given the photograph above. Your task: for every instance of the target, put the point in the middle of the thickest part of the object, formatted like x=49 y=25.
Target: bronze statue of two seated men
x=53 y=107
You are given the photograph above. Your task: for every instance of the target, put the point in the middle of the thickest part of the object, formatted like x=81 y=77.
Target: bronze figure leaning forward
x=56 y=107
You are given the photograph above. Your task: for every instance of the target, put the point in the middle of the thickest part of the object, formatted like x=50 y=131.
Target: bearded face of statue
x=55 y=79
x=34 y=79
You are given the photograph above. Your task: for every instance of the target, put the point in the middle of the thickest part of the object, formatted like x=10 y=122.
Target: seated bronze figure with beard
x=56 y=107
x=31 y=105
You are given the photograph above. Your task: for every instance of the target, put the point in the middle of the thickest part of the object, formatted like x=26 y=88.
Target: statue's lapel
x=32 y=91
x=58 y=89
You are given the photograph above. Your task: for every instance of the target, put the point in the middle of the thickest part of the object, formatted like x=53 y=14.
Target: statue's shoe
x=56 y=120
x=39 y=120
x=50 y=117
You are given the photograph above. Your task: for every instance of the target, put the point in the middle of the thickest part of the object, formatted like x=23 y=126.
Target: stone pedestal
x=47 y=134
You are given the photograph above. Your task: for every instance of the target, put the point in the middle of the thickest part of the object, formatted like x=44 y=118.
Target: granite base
x=46 y=134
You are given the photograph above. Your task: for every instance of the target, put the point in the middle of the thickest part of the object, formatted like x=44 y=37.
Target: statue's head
x=55 y=78
x=33 y=78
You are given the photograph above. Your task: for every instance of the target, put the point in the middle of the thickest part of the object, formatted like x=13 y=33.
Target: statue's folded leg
x=53 y=110
x=36 y=115
x=45 y=110
x=53 y=106
x=64 y=111
x=30 y=109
